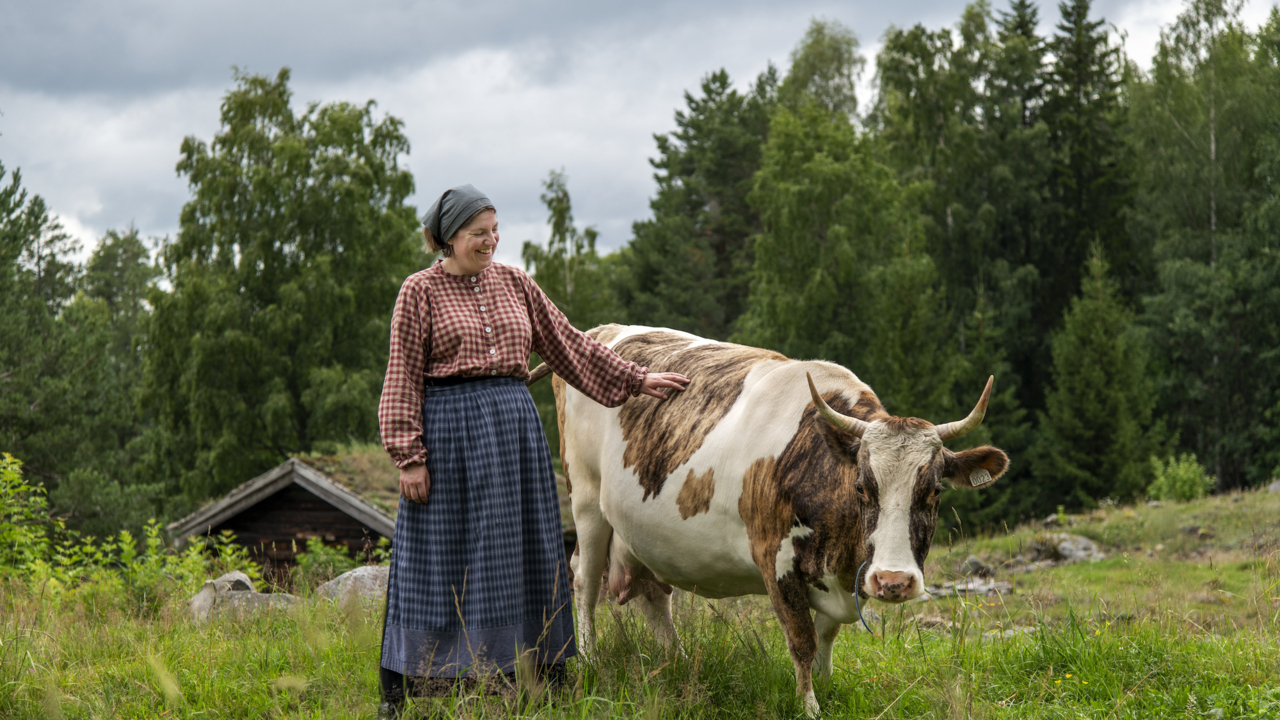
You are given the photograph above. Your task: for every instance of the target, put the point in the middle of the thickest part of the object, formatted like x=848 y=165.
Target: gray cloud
x=96 y=97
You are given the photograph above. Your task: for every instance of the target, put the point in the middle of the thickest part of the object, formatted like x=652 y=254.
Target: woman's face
x=474 y=243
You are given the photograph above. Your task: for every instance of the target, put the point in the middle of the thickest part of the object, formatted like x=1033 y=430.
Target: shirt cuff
x=637 y=381
x=418 y=457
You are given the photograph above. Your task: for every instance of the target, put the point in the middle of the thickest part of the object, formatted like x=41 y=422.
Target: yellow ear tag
x=979 y=477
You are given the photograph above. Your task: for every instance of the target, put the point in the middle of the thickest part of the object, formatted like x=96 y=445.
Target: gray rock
x=1052 y=521
x=973 y=566
x=368 y=583
x=1154 y=504
x=1065 y=548
x=233 y=592
x=972 y=586
x=1274 y=487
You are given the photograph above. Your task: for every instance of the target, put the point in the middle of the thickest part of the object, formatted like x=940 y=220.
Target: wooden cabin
x=348 y=499
x=274 y=514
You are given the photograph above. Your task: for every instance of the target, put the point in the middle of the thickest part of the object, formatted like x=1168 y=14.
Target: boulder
x=233 y=592
x=973 y=566
x=1065 y=548
x=1274 y=487
x=1154 y=504
x=972 y=586
x=368 y=583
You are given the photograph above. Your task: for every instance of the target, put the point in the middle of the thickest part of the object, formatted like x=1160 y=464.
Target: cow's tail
x=537 y=374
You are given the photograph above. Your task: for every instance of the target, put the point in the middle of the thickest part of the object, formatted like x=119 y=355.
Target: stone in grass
x=1065 y=548
x=973 y=566
x=367 y=583
x=1274 y=487
x=233 y=592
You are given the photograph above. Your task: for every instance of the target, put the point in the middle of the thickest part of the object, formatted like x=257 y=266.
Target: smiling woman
x=478 y=578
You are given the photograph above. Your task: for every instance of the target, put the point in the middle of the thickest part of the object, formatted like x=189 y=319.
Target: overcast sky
x=96 y=97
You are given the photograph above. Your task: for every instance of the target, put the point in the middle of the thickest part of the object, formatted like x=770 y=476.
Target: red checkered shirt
x=480 y=326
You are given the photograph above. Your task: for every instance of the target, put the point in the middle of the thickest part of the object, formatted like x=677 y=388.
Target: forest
x=1102 y=238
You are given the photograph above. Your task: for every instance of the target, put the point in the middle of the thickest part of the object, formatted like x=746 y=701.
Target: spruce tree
x=687 y=267
x=1095 y=437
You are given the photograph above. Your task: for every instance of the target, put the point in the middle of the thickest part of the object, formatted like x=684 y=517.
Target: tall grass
x=1190 y=631
x=318 y=660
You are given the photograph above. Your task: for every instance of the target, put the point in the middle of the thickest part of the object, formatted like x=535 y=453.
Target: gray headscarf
x=452 y=210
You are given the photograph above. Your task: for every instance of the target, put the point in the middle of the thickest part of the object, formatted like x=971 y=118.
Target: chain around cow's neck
x=856 y=602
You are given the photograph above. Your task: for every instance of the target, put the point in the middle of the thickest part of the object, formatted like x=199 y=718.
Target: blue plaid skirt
x=478 y=574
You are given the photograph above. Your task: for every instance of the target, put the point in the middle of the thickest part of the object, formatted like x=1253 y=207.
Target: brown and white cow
x=766 y=476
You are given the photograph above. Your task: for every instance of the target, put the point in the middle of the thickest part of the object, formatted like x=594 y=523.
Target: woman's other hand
x=659 y=384
x=415 y=483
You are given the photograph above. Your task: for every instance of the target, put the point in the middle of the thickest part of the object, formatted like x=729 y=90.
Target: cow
x=767 y=476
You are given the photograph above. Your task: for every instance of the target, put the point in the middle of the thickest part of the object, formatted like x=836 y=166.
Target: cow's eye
x=861 y=489
x=937 y=492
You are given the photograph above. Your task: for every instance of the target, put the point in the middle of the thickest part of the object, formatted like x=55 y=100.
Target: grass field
x=1189 y=630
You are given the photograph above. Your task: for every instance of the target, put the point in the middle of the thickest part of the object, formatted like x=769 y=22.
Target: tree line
x=1102 y=239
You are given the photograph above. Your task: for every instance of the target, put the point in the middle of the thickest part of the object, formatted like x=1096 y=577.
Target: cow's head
x=901 y=466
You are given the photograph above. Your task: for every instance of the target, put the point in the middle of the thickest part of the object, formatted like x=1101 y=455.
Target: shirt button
x=493 y=372
x=481 y=308
x=476 y=288
x=492 y=350
x=473 y=278
x=488 y=330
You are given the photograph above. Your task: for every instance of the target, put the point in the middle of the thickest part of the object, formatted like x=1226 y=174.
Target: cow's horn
x=851 y=425
x=952 y=430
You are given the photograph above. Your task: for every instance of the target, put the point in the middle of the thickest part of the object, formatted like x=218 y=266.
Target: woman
x=478 y=575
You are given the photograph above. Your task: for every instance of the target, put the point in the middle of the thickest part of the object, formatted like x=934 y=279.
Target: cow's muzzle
x=893 y=586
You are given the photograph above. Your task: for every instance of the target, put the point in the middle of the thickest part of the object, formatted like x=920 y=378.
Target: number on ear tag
x=979 y=477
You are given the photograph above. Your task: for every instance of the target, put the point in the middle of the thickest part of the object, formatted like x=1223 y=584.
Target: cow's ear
x=974 y=468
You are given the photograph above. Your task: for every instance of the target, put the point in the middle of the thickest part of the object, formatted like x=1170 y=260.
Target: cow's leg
x=594 y=534
x=827 y=630
x=790 y=600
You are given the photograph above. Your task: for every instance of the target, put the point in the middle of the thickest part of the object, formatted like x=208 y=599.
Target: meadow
x=1181 y=620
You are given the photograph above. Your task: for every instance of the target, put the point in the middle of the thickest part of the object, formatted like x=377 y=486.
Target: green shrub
x=1180 y=479
x=320 y=563
x=25 y=523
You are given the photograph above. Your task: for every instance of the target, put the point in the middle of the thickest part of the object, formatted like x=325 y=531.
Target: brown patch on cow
x=925 y=498
x=868 y=407
x=819 y=470
x=695 y=494
x=604 y=334
x=767 y=512
x=558 y=388
x=662 y=435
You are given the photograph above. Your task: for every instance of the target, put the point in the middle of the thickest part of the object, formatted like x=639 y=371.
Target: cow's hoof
x=811 y=708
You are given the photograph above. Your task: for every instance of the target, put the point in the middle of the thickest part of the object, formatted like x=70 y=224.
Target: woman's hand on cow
x=415 y=483
x=660 y=384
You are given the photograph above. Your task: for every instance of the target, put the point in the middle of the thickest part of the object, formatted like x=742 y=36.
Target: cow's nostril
x=892 y=585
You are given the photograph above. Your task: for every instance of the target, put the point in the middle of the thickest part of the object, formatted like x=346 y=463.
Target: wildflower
x=1068 y=674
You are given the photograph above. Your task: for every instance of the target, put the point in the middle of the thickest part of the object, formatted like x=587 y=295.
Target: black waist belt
x=452 y=380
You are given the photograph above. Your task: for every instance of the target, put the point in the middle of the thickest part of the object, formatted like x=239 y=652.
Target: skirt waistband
x=460 y=385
